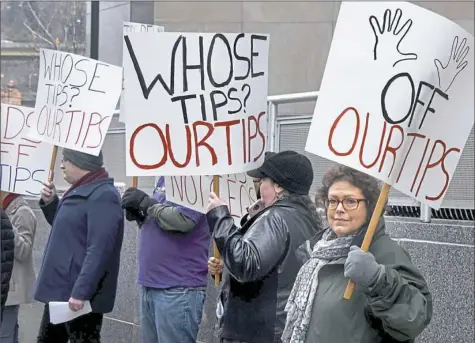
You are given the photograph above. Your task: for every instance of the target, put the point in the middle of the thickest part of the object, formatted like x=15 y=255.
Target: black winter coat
x=262 y=260
x=7 y=255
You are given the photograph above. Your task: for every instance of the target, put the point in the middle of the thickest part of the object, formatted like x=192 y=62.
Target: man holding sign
x=82 y=255
x=173 y=249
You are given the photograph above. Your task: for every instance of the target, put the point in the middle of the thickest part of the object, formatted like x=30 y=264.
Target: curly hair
x=368 y=185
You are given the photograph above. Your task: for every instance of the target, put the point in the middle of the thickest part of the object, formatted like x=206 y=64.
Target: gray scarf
x=300 y=303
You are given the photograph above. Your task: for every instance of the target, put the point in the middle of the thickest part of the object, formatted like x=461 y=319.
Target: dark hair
x=368 y=185
x=306 y=202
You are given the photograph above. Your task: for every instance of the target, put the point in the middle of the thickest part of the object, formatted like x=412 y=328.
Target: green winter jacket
x=398 y=309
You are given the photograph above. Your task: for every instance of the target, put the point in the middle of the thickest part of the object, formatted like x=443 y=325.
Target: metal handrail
x=293 y=98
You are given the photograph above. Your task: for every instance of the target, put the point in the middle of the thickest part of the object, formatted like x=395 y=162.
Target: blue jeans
x=171 y=315
x=9 y=327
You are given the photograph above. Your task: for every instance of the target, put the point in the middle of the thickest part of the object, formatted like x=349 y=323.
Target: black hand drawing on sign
x=389 y=37
x=455 y=64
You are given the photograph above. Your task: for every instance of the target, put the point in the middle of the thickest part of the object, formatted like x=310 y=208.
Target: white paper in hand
x=59 y=312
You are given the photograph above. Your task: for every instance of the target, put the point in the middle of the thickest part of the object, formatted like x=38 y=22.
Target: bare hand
x=75 y=304
x=214 y=201
x=48 y=192
x=215 y=266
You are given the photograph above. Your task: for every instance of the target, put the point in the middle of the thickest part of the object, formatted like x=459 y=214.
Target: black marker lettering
x=210 y=57
x=255 y=54
x=146 y=90
x=187 y=67
x=96 y=77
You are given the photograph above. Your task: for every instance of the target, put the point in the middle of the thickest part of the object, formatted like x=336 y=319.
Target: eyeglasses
x=348 y=204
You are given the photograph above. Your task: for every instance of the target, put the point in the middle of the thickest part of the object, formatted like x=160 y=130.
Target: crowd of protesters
x=283 y=271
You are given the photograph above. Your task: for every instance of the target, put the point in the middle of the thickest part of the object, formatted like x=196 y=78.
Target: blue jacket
x=82 y=255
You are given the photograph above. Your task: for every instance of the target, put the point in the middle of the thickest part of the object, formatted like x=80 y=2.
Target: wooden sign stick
x=217 y=277
x=52 y=163
x=135 y=181
x=378 y=210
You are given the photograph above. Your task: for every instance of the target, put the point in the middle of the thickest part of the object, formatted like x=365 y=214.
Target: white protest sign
x=237 y=190
x=198 y=100
x=75 y=101
x=24 y=161
x=134 y=27
x=397 y=97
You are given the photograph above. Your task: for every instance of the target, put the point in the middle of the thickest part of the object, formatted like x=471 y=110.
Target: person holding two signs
x=261 y=257
x=391 y=303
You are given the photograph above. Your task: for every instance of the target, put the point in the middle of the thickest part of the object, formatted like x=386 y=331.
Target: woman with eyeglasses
x=391 y=301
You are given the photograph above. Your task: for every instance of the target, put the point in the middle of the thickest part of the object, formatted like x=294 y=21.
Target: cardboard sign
x=75 y=101
x=24 y=161
x=134 y=27
x=198 y=100
x=397 y=97
x=237 y=190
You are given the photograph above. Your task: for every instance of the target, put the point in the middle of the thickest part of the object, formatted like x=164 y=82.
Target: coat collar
x=85 y=191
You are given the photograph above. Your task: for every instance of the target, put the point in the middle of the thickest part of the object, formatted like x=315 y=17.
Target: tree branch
x=41 y=24
x=51 y=19
x=38 y=35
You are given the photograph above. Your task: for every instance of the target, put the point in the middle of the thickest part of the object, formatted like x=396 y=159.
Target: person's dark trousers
x=84 y=329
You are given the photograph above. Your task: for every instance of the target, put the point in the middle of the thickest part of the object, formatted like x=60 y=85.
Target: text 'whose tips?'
x=75 y=101
x=202 y=100
x=24 y=161
x=408 y=122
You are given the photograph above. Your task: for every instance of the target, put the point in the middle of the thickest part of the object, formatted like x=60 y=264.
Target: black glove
x=134 y=215
x=132 y=198
x=136 y=200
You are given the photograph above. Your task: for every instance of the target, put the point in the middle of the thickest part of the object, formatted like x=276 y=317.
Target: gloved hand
x=134 y=215
x=135 y=199
x=362 y=268
x=132 y=198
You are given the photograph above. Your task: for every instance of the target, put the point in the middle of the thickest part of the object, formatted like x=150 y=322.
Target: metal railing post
x=273 y=110
x=425 y=213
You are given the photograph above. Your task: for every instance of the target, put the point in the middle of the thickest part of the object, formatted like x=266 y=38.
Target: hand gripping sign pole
x=378 y=210
x=217 y=277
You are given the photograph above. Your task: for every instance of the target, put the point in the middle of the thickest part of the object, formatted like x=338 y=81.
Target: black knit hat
x=289 y=169
x=82 y=160
x=256 y=171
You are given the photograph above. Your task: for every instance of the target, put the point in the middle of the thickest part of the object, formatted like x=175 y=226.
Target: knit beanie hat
x=289 y=169
x=82 y=160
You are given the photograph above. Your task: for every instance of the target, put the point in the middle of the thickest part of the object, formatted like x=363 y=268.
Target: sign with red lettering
x=195 y=102
x=75 y=101
x=24 y=161
x=397 y=97
x=135 y=27
x=237 y=190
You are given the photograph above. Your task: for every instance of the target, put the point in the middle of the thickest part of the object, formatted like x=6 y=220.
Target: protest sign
x=134 y=27
x=24 y=161
x=198 y=100
x=397 y=97
x=75 y=101
x=237 y=190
